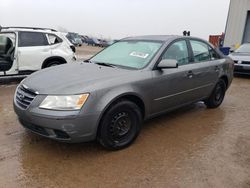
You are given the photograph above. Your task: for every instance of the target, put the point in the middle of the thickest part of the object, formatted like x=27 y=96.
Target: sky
x=119 y=18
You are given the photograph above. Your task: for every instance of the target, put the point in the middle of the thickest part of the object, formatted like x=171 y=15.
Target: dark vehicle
x=108 y=97
x=84 y=39
x=104 y=43
x=74 y=38
x=241 y=58
x=93 y=42
x=90 y=42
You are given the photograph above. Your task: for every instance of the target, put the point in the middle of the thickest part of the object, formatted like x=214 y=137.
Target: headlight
x=71 y=102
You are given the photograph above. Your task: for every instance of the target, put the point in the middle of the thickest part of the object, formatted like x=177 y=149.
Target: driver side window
x=177 y=51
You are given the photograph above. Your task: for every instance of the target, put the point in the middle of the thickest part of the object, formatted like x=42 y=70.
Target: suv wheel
x=53 y=63
x=217 y=95
x=120 y=125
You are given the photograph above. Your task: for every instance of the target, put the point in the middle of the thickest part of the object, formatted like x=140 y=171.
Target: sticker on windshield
x=139 y=54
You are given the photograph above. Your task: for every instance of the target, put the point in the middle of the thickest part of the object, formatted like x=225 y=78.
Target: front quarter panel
x=137 y=84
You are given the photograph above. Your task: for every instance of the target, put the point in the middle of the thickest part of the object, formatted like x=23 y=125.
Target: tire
x=120 y=125
x=53 y=63
x=217 y=96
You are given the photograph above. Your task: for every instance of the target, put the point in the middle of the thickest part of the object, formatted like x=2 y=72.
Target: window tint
x=177 y=51
x=32 y=39
x=200 y=51
x=53 y=39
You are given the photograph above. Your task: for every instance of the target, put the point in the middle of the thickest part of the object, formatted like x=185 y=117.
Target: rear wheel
x=217 y=95
x=53 y=63
x=120 y=125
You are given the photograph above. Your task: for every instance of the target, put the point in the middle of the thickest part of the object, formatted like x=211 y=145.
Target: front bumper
x=242 y=69
x=62 y=126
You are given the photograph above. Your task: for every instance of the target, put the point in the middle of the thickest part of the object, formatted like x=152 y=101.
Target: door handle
x=217 y=69
x=190 y=74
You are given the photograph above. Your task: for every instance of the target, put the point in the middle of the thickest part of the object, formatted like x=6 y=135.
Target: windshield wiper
x=99 y=63
x=87 y=61
x=105 y=64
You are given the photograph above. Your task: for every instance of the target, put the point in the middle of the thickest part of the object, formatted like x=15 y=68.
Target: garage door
x=246 y=37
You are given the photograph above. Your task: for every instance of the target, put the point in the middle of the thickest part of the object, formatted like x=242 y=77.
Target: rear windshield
x=131 y=54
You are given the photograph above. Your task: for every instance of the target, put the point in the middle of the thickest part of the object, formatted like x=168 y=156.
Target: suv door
x=173 y=87
x=205 y=67
x=7 y=52
x=33 y=49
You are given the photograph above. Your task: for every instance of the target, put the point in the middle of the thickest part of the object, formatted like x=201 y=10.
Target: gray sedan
x=241 y=57
x=107 y=97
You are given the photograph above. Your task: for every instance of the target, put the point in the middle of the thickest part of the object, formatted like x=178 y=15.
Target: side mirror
x=168 y=63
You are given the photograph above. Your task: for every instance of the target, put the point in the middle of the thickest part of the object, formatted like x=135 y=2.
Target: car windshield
x=245 y=48
x=130 y=54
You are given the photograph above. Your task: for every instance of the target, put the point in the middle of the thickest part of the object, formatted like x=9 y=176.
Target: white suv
x=24 y=50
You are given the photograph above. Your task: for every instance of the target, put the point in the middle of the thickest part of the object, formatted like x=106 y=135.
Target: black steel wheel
x=217 y=95
x=120 y=125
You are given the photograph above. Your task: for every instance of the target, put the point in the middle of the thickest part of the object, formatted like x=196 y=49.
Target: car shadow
x=10 y=81
x=242 y=76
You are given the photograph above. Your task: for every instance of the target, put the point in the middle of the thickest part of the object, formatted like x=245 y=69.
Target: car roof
x=15 y=29
x=161 y=38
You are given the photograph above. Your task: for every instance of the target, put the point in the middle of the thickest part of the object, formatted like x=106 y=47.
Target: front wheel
x=217 y=95
x=120 y=125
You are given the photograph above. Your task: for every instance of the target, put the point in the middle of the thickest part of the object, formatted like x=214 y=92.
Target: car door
x=33 y=49
x=173 y=87
x=205 y=68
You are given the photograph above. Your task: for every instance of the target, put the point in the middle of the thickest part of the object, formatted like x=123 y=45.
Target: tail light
x=73 y=49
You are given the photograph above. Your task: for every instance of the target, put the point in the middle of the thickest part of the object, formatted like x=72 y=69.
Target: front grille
x=246 y=62
x=242 y=62
x=24 y=97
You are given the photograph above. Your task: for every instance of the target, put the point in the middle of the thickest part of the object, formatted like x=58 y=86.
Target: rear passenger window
x=177 y=51
x=32 y=39
x=200 y=51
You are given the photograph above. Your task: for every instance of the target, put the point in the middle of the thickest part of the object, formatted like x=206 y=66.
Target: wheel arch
x=225 y=79
x=53 y=58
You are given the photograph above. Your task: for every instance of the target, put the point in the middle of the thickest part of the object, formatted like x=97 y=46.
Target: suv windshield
x=130 y=54
x=245 y=48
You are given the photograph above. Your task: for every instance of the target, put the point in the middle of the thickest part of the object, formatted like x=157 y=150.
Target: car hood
x=240 y=56
x=72 y=78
